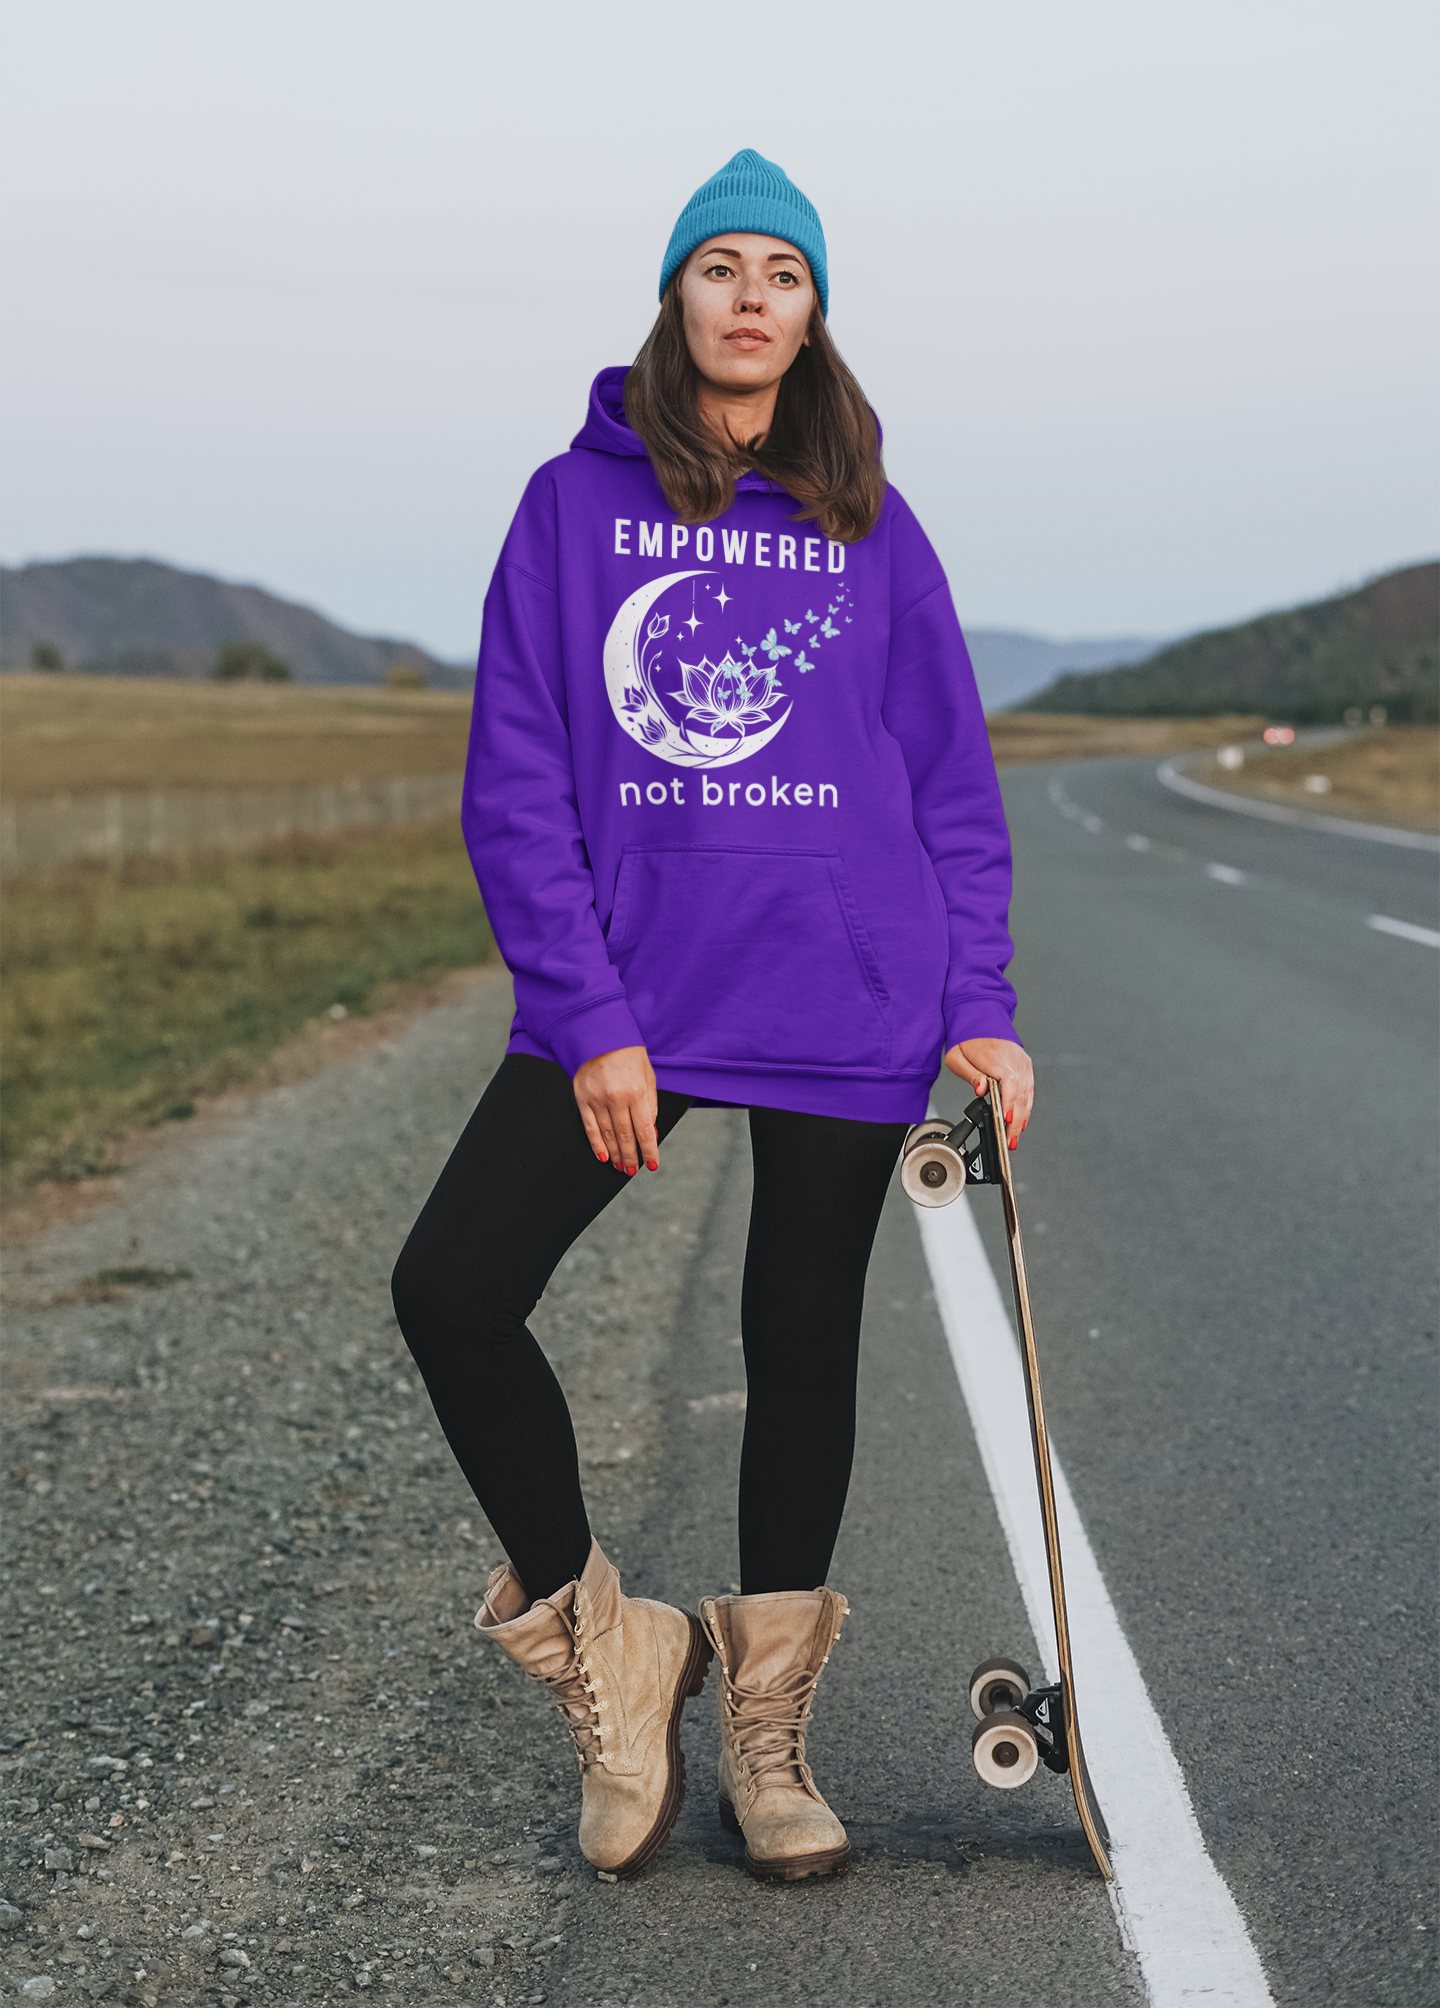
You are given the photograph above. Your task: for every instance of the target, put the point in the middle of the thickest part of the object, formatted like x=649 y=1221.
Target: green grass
x=130 y=989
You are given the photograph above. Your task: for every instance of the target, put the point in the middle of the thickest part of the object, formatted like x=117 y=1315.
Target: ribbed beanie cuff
x=750 y=193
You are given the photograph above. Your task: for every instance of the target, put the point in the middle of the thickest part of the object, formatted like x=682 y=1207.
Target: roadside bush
x=250 y=662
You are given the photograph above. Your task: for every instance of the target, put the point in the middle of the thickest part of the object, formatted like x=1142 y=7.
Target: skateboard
x=1018 y=1727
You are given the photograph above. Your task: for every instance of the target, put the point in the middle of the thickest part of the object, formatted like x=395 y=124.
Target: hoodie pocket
x=749 y=958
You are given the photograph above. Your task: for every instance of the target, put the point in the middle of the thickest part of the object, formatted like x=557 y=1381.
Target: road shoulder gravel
x=254 y=1751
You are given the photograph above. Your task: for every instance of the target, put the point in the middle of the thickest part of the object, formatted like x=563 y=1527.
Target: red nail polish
x=652 y=1164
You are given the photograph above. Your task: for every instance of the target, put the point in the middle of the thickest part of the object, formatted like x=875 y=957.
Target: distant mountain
x=134 y=617
x=1379 y=645
x=1011 y=666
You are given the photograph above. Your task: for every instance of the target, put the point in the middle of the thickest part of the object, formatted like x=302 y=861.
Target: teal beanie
x=750 y=193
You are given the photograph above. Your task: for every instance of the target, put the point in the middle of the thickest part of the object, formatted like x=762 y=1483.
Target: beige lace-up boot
x=773 y=1650
x=620 y=1669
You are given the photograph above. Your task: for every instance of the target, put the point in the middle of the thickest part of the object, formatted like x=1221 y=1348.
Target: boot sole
x=786 y=1868
x=691 y=1682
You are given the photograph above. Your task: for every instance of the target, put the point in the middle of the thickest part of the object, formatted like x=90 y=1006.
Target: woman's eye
x=718 y=272
x=788 y=278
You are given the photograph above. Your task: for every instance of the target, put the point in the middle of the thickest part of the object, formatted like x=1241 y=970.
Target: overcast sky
x=301 y=291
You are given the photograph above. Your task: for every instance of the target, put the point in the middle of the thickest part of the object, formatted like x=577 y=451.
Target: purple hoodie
x=730 y=794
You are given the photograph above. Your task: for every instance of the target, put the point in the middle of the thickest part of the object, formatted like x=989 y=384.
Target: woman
x=732 y=809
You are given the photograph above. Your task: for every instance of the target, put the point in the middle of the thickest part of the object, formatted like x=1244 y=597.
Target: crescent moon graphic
x=626 y=678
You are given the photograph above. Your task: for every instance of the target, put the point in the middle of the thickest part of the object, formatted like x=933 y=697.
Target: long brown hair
x=823 y=446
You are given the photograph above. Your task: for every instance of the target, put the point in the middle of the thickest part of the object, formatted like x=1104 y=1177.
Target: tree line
x=237 y=662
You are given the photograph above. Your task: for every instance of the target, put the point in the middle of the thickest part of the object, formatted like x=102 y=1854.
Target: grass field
x=1392 y=776
x=1018 y=738
x=93 y=735
x=130 y=989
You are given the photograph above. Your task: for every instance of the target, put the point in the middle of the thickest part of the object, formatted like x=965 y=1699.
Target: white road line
x=1169 y=775
x=1405 y=929
x=1226 y=874
x=1174 y=1910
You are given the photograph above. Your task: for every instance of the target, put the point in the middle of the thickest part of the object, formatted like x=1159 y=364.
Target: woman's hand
x=616 y=1096
x=981 y=1061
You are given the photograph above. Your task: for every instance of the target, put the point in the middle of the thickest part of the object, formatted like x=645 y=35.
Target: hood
x=606 y=429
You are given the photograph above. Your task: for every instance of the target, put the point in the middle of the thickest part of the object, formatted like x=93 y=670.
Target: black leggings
x=521 y=1185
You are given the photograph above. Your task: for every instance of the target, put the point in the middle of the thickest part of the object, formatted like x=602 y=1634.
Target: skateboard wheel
x=997 y=1683
x=1005 y=1750
x=932 y=1172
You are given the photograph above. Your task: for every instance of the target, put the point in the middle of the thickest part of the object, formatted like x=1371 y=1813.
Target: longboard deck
x=1092 y=1820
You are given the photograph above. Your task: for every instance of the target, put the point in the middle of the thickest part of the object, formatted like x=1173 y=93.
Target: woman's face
x=747 y=302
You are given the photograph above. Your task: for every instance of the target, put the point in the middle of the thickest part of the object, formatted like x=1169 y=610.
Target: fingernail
x=1012 y=1143
x=652 y=1164
x=1009 y=1115
x=631 y=1169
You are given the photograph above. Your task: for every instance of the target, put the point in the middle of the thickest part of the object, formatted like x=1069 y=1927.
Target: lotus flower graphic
x=727 y=696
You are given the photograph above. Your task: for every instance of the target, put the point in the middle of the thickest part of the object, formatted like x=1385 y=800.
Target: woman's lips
x=748 y=338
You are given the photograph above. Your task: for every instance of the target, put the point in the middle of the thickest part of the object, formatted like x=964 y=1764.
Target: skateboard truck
x=941 y=1158
x=1018 y=1728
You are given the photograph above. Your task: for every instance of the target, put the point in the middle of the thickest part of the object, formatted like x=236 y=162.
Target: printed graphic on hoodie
x=686 y=682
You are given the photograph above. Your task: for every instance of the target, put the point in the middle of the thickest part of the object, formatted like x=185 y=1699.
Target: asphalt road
x=1233 y=1182
x=1229 y=1203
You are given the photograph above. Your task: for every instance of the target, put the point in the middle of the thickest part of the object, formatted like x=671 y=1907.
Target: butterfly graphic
x=829 y=629
x=774 y=648
x=791 y=627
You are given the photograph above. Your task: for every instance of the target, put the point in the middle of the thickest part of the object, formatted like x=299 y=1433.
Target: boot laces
x=769 y=1723
x=573 y=1690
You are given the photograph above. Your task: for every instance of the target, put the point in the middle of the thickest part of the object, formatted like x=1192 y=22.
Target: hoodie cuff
x=594 y=1029
x=978 y=1018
